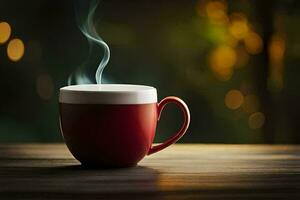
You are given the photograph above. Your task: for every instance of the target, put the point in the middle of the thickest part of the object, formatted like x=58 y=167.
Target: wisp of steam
x=85 y=10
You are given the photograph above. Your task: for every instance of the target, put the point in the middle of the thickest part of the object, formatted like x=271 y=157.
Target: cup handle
x=181 y=132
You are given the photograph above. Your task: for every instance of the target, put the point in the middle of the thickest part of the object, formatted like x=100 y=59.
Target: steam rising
x=85 y=11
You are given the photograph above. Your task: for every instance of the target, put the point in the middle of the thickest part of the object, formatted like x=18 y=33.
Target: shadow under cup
x=113 y=125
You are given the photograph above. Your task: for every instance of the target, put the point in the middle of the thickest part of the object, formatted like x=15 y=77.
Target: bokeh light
x=276 y=49
x=216 y=11
x=256 y=120
x=253 y=43
x=251 y=104
x=222 y=60
x=5 y=31
x=234 y=99
x=239 y=25
x=44 y=86
x=15 y=49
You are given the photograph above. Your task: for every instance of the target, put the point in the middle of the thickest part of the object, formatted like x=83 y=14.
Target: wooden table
x=189 y=171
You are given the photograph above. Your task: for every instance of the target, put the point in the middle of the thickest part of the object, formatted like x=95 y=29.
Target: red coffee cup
x=113 y=125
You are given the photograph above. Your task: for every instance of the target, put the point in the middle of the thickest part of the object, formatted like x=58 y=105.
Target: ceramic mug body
x=112 y=125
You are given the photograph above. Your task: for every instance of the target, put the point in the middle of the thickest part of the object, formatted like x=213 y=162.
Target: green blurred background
x=235 y=63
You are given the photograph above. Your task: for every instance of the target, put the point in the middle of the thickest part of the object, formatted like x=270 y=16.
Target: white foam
x=108 y=94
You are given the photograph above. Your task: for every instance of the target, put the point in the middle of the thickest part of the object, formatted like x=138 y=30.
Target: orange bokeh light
x=44 y=86
x=253 y=43
x=15 y=49
x=216 y=11
x=256 y=120
x=222 y=60
x=239 y=26
x=5 y=32
x=276 y=49
x=234 y=99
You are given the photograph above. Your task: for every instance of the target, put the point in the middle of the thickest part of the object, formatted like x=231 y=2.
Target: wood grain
x=183 y=171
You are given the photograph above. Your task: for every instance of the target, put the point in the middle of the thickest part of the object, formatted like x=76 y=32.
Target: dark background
x=235 y=63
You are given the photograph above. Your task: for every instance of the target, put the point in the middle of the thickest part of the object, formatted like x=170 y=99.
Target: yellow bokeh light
x=251 y=104
x=216 y=11
x=234 y=99
x=44 y=86
x=15 y=49
x=253 y=43
x=222 y=60
x=5 y=32
x=239 y=26
x=256 y=120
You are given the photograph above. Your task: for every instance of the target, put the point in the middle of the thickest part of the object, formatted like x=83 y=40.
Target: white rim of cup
x=108 y=94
